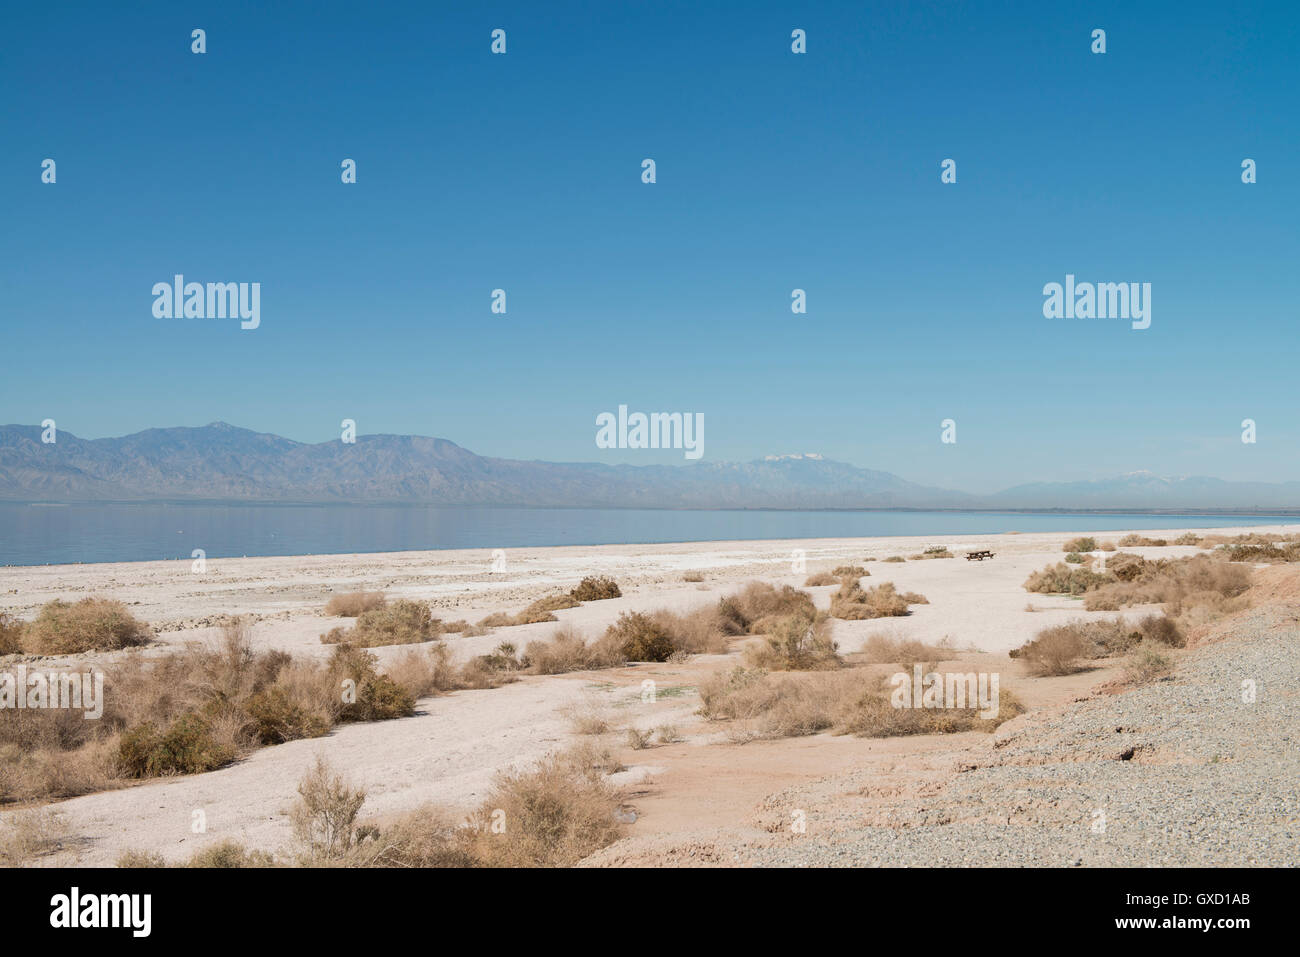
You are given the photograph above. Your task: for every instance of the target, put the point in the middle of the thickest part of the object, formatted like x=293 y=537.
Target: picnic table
x=978 y=556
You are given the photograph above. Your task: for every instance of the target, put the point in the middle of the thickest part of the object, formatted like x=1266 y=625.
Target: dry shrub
x=498 y=619
x=1271 y=553
x=640 y=638
x=554 y=815
x=796 y=643
x=567 y=650
x=1056 y=651
x=1180 y=584
x=197 y=709
x=895 y=558
x=1086 y=544
x=594 y=588
x=881 y=601
x=498 y=667
x=856 y=571
x=694 y=577
x=1106 y=546
x=938 y=551
x=355 y=603
x=740 y=613
x=459 y=626
x=703 y=631
x=92 y=624
x=1061 y=579
x=147 y=859
x=822 y=578
x=424 y=673
x=1188 y=538
x=543 y=605
x=1074 y=558
x=324 y=816
x=401 y=623
x=1147 y=663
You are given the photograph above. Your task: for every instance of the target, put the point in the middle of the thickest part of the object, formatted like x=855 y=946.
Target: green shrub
x=185 y=747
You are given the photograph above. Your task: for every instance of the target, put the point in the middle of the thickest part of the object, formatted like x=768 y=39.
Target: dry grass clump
x=28 y=835
x=1138 y=541
x=1188 y=538
x=549 y=603
x=1075 y=558
x=1107 y=546
x=796 y=643
x=851 y=701
x=1061 y=579
x=852 y=603
x=92 y=624
x=695 y=577
x=894 y=558
x=855 y=571
x=11 y=634
x=354 y=603
x=401 y=623
x=822 y=578
x=539 y=611
x=594 y=588
x=1147 y=663
x=1085 y=544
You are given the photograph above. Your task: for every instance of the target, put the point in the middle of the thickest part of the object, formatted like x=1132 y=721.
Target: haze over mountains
x=221 y=462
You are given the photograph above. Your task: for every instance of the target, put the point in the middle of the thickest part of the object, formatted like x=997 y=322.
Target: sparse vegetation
x=1087 y=544
x=821 y=578
x=851 y=701
x=197 y=709
x=854 y=571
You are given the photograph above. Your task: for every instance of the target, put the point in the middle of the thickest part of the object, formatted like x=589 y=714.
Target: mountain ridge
x=220 y=462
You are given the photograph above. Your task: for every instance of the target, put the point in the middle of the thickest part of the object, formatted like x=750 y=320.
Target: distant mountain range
x=220 y=462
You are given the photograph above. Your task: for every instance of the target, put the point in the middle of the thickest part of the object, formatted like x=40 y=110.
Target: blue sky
x=775 y=171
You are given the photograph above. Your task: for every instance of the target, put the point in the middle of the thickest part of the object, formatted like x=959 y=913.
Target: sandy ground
x=448 y=753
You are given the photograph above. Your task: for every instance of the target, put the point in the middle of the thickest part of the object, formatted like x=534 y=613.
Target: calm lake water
x=59 y=534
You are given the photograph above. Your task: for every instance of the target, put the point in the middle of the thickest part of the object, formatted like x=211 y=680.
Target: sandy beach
x=701 y=800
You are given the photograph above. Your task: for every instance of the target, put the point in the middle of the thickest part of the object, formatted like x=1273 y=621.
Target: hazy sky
x=775 y=171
